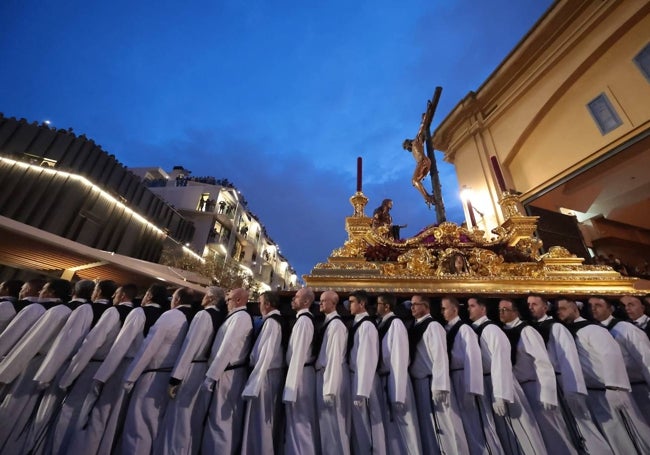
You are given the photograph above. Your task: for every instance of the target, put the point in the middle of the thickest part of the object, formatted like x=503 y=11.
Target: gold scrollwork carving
x=419 y=262
x=557 y=252
x=353 y=248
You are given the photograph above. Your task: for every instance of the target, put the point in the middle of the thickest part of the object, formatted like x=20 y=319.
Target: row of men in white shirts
x=452 y=402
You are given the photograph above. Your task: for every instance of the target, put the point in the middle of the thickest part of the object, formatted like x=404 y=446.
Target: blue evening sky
x=280 y=97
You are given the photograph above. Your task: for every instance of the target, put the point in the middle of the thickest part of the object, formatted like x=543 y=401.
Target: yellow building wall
x=567 y=136
x=532 y=113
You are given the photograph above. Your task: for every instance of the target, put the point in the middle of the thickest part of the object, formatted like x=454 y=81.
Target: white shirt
x=495 y=353
x=601 y=358
x=231 y=343
x=96 y=345
x=7 y=313
x=563 y=354
x=395 y=359
x=533 y=363
x=635 y=346
x=19 y=325
x=642 y=322
x=196 y=345
x=298 y=353
x=126 y=345
x=67 y=342
x=331 y=357
x=38 y=339
x=266 y=355
x=364 y=356
x=466 y=356
x=430 y=358
x=160 y=349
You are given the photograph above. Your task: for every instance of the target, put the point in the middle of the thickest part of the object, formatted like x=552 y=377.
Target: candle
x=359 y=173
x=470 y=210
x=498 y=174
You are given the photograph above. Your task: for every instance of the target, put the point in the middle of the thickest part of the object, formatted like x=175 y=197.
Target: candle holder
x=359 y=202
x=510 y=205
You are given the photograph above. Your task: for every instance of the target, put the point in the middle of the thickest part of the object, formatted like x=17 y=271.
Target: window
x=604 y=114
x=642 y=60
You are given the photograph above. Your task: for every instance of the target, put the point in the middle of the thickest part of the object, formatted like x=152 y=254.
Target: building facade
x=225 y=229
x=67 y=185
x=564 y=121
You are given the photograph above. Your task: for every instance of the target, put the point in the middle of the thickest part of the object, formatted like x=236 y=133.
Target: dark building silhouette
x=67 y=185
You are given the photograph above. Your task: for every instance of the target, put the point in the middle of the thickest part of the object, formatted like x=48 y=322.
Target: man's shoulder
x=366 y=325
x=58 y=310
x=558 y=328
x=466 y=330
x=434 y=326
x=236 y=321
x=626 y=329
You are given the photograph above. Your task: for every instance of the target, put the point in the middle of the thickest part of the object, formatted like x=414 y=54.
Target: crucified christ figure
x=422 y=162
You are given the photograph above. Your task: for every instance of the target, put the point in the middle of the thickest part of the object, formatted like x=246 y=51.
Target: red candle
x=359 y=173
x=470 y=210
x=498 y=174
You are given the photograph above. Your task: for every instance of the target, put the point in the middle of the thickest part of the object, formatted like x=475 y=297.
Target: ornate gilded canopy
x=451 y=259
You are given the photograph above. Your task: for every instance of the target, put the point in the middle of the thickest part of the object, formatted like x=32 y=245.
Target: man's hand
x=548 y=406
x=96 y=387
x=43 y=385
x=440 y=397
x=128 y=386
x=328 y=400
x=614 y=398
x=399 y=408
x=208 y=384
x=499 y=406
x=360 y=402
x=172 y=390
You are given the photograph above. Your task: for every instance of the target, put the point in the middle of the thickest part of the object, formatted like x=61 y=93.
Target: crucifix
x=426 y=164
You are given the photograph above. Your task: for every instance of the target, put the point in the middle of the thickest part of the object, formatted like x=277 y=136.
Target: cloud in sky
x=280 y=98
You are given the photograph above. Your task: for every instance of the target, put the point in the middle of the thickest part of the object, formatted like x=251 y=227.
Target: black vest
x=382 y=330
x=612 y=324
x=514 y=334
x=351 y=334
x=284 y=330
x=151 y=315
x=480 y=328
x=74 y=304
x=188 y=311
x=123 y=311
x=230 y=367
x=451 y=336
x=415 y=336
x=319 y=335
x=19 y=305
x=98 y=309
x=50 y=305
x=575 y=326
x=544 y=329
x=310 y=316
x=217 y=317
x=235 y=312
